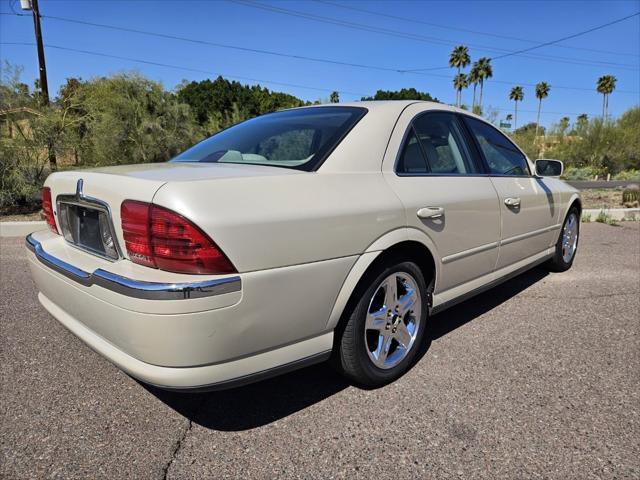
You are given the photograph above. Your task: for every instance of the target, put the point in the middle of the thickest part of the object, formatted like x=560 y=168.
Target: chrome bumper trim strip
x=135 y=288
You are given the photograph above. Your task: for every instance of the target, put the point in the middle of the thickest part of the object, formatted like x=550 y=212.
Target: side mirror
x=549 y=168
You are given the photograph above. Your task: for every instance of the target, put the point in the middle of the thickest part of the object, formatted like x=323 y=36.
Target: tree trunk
x=606 y=106
x=458 y=93
x=53 y=162
x=538 y=119
x=481 y=88
x=474 y=96
x=604 y=96
x=515 y=117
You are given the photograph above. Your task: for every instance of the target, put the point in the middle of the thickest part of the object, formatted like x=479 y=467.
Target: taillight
x=158 y=237
x=47 y=209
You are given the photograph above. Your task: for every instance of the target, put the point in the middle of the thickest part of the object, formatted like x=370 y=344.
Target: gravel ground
x=538 y=378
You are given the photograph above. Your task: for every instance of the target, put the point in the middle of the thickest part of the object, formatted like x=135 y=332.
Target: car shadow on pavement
x=261 y=403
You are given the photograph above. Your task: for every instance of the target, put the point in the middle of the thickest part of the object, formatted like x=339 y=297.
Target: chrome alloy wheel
x=570 y=238
x=393 y=319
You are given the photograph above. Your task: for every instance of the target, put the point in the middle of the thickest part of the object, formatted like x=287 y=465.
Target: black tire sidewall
x=368 y=373
x=558 y=260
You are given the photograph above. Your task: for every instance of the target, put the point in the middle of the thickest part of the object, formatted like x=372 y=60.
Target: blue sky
x=574 y=64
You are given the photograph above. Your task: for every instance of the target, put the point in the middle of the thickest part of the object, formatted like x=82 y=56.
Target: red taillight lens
x=157 y=237
x=47 y=209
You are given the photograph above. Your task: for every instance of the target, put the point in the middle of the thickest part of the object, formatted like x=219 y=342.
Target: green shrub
x=604 y=217
x=581 y=173
x=632 y=174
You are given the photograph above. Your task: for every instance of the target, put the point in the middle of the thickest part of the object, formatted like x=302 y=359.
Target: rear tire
x=567 y=244
x=385 y=326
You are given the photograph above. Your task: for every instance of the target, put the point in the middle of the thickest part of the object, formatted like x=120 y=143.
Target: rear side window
x=435 y=145
x=301 y=138
x=501 y=155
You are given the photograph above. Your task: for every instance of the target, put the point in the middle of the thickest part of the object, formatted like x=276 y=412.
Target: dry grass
x=602 y=198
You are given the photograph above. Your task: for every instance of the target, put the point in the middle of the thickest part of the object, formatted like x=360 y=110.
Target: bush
x=630 y=175
x=580 y=173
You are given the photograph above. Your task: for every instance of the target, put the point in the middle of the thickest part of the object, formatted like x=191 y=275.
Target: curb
x=20 y=229
x=615 y=213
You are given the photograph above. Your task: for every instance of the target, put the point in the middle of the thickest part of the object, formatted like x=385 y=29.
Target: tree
x=485 y=71
x=216 y=99
x=460 y=81
x=404 y=94
x=542 y=92
x=563 y=125
x=459 y=59
x=474 y=79
x=517 y=95
x=582 y=121
x=606 y=85
x=334 y=97
x=509 y=117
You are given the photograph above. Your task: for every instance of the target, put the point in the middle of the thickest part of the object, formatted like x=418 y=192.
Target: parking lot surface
x=537 y=378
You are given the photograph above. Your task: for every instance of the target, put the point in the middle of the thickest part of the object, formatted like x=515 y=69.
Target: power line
x=286 y=55
x=466 y=30
x=188 y=69
x=553 y=42
x=424 y=38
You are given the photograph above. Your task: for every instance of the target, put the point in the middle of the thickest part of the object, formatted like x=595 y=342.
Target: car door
x=444 y=195
x=527 y=206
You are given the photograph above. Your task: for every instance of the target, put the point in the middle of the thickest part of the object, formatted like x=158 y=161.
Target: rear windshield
x=300 y=138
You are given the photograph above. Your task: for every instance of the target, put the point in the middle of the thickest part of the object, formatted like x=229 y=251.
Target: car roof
x=396 y=106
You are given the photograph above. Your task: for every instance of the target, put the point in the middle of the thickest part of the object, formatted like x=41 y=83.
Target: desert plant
x=632 y=174
x=517 y=95
x=459 y=59
x=606 y=85
x=630 y=195
x=586 y=218
x=604 y=217
x=542 y=91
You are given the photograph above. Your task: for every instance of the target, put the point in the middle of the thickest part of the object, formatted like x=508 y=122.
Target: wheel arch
x=403 y=244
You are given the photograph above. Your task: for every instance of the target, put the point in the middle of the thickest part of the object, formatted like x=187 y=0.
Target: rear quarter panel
x=271 y=222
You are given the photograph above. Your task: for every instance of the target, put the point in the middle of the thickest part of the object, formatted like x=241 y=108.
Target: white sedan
x=321 y=232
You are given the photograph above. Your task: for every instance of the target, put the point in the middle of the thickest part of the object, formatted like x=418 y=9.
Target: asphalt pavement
x=537 y=378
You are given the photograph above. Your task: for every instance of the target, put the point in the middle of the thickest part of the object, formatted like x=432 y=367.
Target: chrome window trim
x=135 y=288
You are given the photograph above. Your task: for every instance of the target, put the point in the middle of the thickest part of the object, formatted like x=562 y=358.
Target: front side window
x=435 y=145
x=502 y=156
x=299 y=138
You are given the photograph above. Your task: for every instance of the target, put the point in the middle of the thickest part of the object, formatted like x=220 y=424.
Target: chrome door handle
x=430 y=212
x=512 y=202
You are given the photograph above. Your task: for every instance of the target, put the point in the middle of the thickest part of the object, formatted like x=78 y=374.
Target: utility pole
x=44 y=86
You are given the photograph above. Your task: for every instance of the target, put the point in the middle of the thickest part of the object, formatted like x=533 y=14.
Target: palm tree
x=474 y=79
x=542 y=91
x=459 y=59
x=517 y=94
x=606 y=85
x=485 y=70
x=334 y=97
x=460 y=81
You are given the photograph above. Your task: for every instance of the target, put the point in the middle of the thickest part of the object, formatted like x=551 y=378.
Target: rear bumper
x=210 y=377
x=209 y=337
x=131 y=287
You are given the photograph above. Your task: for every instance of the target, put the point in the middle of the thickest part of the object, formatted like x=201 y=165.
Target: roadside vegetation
x=127 y=118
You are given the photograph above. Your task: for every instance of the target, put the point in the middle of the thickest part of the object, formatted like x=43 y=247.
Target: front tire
x=386 y=325
x=567 y=244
